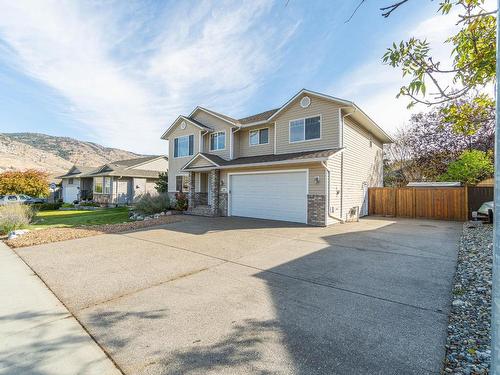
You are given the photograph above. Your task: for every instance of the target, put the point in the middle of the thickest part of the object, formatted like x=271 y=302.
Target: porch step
x=200 y=211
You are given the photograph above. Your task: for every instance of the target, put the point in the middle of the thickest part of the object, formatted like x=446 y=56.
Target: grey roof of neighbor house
x=434 y=184
x=81 y=171
x=303 y=156
x=119 y=168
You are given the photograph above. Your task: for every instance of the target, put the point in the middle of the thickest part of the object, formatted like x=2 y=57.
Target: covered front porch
x=205 y=193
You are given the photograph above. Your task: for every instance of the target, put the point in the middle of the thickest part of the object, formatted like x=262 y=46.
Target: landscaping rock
x=468 y=345
x=48 y=235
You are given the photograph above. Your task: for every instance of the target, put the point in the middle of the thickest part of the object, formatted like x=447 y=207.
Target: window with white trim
x=107 y=185
x=305 y=129
x=259 y=137
x=70 y=181
x=98 y=185
x=184 y=146
x=182 y=184
x=217 y=141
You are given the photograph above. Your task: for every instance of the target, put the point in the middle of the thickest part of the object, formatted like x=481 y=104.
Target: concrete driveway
x=243 y=296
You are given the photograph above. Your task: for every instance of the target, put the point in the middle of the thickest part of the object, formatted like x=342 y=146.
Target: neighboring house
x=119 y=182
x=75 y=185
x=309 y=161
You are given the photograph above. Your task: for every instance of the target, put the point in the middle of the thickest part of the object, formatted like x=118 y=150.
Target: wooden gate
x=476 y=196
x=423 y=203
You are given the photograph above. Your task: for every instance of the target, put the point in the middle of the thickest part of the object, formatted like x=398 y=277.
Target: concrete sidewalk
x=38 y=335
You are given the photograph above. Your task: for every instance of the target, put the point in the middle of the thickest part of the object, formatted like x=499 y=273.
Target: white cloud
x=126 y=77
x=374 y=86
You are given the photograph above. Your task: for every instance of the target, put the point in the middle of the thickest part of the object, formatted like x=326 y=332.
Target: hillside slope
x=54 y=155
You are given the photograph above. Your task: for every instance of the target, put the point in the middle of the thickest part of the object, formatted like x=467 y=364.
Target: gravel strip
x=38 y=237
x=468 y=348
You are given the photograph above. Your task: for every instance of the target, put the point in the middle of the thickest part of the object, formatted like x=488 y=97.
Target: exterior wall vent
x=305 y=102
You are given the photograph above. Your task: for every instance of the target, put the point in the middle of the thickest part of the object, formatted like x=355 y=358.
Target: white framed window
x=182 y=183
x=305 y=129
x=259 y=137
x=107 y=185
x=70 y=181
x=98 y=185
x=217 y=141
x=184 y=146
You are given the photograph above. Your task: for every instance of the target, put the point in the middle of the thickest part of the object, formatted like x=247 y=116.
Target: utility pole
x=495 y=295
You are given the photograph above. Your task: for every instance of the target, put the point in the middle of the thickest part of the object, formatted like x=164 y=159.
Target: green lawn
x=58 y=218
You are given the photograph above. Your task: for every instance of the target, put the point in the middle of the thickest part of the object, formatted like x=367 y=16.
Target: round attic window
x=183 y=125
x=305 y=102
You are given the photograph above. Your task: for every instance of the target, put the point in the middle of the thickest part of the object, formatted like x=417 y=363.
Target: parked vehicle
x=486 y=211
x=19 y=198
x=10 y=198
x=32 y=200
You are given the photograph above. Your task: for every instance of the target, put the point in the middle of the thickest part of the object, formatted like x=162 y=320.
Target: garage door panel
x=275 y=196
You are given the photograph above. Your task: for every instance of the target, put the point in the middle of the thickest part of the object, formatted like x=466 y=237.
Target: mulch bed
x=38 y=237
x=468 y=348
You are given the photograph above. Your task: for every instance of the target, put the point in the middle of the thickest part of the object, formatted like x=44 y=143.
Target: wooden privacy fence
x=424 y=203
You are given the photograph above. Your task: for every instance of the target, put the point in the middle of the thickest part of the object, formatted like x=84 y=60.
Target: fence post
x=466 y=202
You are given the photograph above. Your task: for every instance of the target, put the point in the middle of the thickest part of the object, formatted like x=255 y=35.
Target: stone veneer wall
x=200 y=199
x=223 y=204
x=102 y=198
x=316 y=205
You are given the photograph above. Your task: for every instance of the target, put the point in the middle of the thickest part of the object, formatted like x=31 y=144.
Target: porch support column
x=191 y=194
x=214 y=182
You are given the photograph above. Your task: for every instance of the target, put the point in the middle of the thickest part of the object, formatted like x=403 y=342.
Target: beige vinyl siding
x=154 y=165
x=329 y=113
x=217 y=125
x=201 y=162
x=315 y=169
x=334 y=165
x=236 y=145
x=362 y=164
x=175 y=164
x=244 y=142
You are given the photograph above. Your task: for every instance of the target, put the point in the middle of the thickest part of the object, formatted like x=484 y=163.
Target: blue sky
x=118 y=73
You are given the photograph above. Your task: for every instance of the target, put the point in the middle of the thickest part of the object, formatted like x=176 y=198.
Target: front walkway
x=37 y=333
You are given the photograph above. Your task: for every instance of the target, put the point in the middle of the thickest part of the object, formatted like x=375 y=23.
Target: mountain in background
x=55 y=155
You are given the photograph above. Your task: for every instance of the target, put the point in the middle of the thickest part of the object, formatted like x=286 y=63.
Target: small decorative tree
x=30 y=182
x=470 y=168
x=161 y=185
x=181 y=201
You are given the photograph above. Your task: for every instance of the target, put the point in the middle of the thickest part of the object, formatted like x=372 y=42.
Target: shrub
x=161 y=185
x=15 y=216
x=181 y=201
x=30 y=182
x=68 y=205
x=46 y=206
x=89 y=204
x=470 y=168
x=148 y=204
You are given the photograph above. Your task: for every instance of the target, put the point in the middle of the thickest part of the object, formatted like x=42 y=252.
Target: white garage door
x=274 y=196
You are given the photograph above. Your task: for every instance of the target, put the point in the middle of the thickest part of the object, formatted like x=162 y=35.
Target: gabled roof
x=263 y=116
x=290 y=158
x=267 y=116
x=215 y=160
x=216 y=114
x=188 y=119
x=123 y=168
x=77 y=171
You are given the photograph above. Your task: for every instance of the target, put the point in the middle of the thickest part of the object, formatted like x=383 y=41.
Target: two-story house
x=309 y=161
